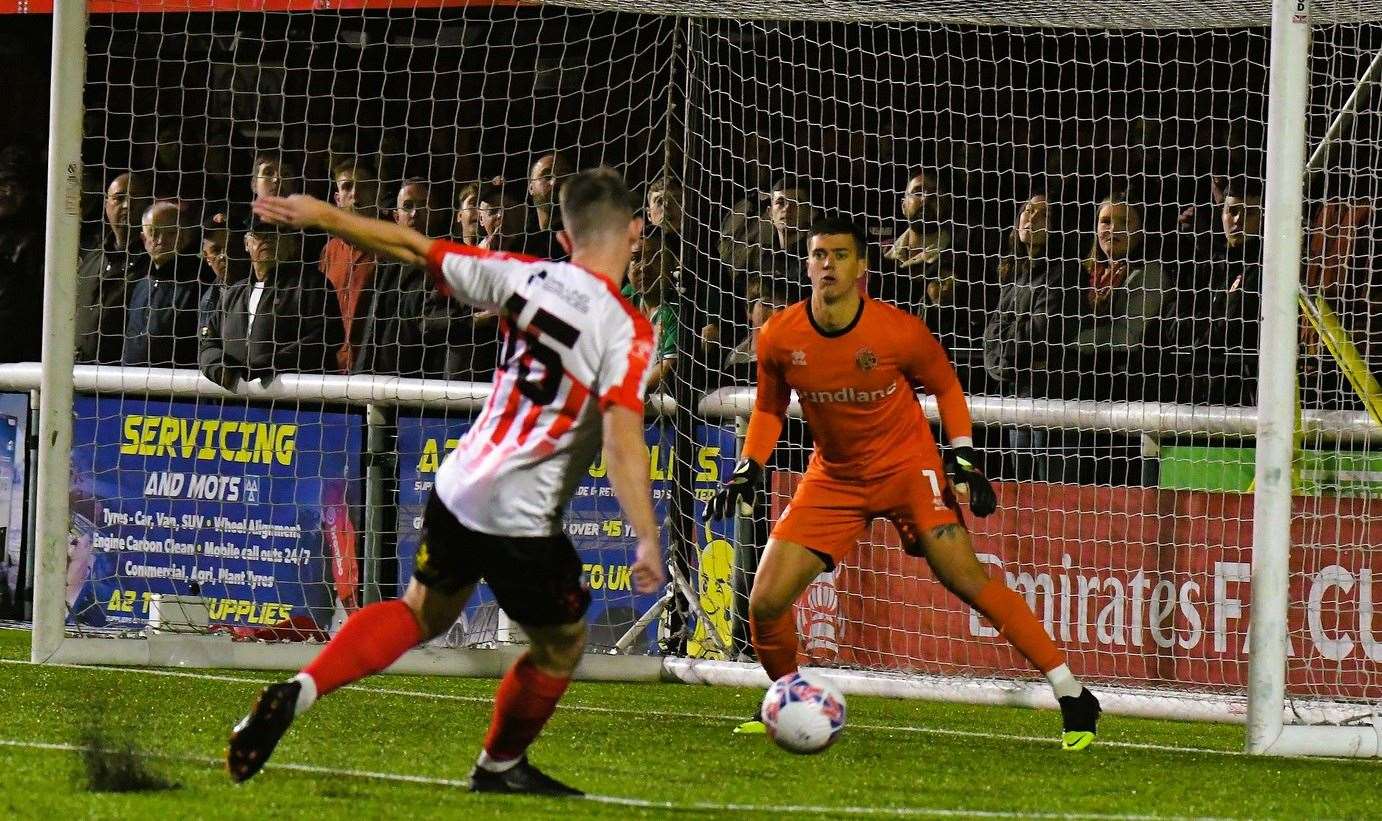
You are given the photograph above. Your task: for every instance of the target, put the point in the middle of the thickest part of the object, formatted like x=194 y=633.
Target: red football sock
x=369 y=641
x=526 y=698
x=775 y=641
x=1013 y=618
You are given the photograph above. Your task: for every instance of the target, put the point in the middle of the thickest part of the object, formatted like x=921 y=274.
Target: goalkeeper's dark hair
x=595 y=201
x=829 y=224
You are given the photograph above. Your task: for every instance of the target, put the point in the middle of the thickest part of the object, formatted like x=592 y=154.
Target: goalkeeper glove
x=962 y=465
x=741 y=488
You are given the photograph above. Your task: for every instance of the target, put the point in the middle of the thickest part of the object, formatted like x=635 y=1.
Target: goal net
x=1072 y=198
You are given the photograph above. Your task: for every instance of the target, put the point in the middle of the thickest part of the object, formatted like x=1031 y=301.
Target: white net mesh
x=1069 y=196
x=432 y=118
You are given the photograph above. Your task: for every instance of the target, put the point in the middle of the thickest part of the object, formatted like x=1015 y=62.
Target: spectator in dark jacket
x=545 y=177
x=162 y=321
x=411 y=330
x=281 y=319
x=21 y=261
x=1038 y=303
x=105 y=274
x=1209 y=332
x=925 y=270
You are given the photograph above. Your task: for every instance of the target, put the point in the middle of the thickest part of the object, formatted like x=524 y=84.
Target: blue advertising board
x=593 y=520
x=14 y=423
x=246 y=506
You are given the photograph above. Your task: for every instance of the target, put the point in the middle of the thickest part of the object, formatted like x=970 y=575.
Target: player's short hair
x=664 y=183
x=358 y=166
x=595 y=201
x=470 y=189
x=277 y=161
x=792 y=183
x=494 y=194
x=830 y=224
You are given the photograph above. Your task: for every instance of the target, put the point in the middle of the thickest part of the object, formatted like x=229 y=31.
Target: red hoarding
x=1141 y=586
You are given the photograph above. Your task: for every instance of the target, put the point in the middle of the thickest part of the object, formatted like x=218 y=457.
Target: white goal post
x=1149 y=583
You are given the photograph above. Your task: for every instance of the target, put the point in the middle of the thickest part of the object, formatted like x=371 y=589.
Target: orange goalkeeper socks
x=775 y=641
x=369 y=641
x=1009 y=613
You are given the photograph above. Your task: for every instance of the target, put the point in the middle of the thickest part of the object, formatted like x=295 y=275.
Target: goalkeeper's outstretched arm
x=385 y=239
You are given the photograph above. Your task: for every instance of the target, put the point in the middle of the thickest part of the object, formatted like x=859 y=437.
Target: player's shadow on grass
x=110 y=765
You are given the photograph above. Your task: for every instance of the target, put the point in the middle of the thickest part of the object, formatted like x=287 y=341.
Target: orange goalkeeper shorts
x=828 y=514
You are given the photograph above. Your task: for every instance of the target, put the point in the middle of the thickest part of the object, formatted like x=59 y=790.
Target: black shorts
x=536 y=579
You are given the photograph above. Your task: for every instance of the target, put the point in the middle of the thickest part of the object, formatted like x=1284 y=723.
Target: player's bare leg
x=526 y=699
x=370 y=640
x=950 y=553
x=786 y=570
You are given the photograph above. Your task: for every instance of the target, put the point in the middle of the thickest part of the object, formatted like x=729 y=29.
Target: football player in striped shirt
x=570 y=380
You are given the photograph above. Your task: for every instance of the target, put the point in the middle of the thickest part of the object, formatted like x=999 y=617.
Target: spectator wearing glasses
x=105 y=274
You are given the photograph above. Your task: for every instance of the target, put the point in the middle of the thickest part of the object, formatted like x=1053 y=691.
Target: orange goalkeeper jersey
x=856 y=387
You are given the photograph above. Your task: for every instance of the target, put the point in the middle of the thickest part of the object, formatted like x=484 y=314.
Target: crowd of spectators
x=197 y=282
x=1095 y=300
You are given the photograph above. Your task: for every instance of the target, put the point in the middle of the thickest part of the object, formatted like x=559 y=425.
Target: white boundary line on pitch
x=390 y=691
x=639 y=802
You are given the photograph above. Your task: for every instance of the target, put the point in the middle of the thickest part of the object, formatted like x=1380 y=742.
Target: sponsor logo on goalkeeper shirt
x=855 y=395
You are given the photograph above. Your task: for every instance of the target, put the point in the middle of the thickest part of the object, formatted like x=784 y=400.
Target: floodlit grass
x=653 y=743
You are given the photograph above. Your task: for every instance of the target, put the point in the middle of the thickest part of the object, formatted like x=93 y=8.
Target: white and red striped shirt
x=572 y=347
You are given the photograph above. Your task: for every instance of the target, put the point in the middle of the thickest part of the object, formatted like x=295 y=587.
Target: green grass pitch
x=399 y=746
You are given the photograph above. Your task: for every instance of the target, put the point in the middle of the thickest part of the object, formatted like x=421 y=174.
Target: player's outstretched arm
x=626 y=457
x=386 y=239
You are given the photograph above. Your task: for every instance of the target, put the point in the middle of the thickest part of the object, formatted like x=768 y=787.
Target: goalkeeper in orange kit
x=855 y=363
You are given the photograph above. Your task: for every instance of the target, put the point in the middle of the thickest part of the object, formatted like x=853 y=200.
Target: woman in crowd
x=1122 y=296
x=1124 y=288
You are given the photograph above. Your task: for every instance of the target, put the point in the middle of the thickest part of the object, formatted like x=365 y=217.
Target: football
x=803 y=713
